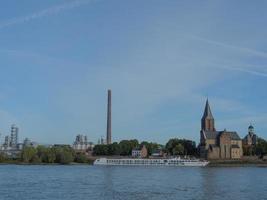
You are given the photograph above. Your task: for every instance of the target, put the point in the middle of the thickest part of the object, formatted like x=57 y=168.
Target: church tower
x=207 y=121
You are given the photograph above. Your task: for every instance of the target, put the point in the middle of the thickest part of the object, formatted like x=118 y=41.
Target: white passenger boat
x=156 y=162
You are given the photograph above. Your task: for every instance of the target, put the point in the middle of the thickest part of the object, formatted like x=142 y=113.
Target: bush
x=35 y=159
x=64 y=155
x=3 y=157
x=188 y=147
x=28 y=154
x=81 y=158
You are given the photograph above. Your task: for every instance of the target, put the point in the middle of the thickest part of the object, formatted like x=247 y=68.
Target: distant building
x=11 y=147
x=101 y=141
x=140 y=152
x=20 y=146
x=62 y=145
x=6 y=145
x=218 y=144
x=11 y=144
x=11 y=141
x=157 y=153
x=14 y=136
x=81 y=143
x=250 y=139
x=250 y=142
x=28 y=143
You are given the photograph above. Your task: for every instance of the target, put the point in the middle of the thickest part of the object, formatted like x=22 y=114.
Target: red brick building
x=218 y=144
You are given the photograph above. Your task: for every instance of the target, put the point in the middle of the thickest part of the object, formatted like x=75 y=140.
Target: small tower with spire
x=207 y=121
x=251 y=129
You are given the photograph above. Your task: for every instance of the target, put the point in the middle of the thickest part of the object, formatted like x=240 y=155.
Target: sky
x=161 y=59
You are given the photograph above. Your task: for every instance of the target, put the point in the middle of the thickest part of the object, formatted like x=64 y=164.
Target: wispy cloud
x=43 y=13
x=222 y=44
x=247 y=51
x=249 y=71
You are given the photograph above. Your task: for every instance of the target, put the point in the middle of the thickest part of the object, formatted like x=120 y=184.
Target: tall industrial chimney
x=109 y=118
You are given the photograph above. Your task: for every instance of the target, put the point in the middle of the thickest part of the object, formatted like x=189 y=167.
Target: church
x=218 y=144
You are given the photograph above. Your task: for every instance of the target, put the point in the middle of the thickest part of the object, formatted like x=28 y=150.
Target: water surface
x=122 y=182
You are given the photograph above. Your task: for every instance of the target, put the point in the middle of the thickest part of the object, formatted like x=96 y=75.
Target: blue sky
x=160 y=58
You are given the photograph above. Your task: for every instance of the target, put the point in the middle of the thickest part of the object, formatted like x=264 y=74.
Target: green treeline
x=124 y=147
x=49 y=155
x=64 y=154
x=173 y=147
x=181 y=147
x=259 y=150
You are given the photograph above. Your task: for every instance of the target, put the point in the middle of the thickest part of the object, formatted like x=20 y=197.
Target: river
x=19 y=182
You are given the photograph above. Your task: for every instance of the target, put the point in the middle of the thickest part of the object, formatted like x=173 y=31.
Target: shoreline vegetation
x=89 y=162
x=66 y=155
x=42 y=155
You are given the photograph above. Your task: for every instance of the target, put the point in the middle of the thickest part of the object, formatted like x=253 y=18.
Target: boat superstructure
x=156 y=162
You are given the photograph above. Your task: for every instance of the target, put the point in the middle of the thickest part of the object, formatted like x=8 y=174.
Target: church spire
x=207 y=121
x=207 y=111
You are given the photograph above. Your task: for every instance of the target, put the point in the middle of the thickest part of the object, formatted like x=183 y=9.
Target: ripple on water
x=91 y=182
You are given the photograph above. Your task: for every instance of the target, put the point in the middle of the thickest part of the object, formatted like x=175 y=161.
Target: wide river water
x=122 y=182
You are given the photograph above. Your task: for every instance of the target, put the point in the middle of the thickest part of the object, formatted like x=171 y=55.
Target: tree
x=126 y=146
x=50 y=155
x=100 y=149
x=114 y=149
x=261 y=147
x=178 y=149
x=46 y=154
x=81 y=158
x=123 y=148
x=36 y=159
x=42 y=153
x=28 y=153
x=64 y=155
x=188 y=146
x=151 y=146
x=171 y=144
x=3 y=157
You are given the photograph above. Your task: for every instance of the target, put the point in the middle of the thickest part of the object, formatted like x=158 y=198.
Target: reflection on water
x=128 y=182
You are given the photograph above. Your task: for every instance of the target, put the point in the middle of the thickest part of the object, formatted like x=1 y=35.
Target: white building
x=28 y=143
x=11 y=141
x=81 y=143
x=140 y=152
x=14 y=136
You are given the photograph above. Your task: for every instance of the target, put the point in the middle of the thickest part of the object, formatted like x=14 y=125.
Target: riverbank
x=50 y=164
x=213 y=163
x=18 y=162
x=237 y=163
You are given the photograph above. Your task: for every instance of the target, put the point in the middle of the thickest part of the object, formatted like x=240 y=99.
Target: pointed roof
x=207 y=112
